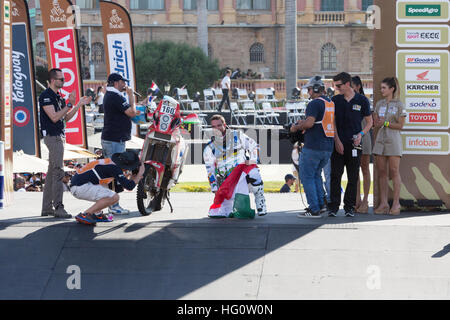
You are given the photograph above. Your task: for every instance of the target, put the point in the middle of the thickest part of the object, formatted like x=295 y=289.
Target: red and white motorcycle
x=164 y=154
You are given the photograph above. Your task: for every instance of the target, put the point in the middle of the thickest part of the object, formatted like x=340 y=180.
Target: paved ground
x=185 y=255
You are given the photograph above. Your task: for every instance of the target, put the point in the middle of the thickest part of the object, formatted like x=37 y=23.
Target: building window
x=98 y=53
x=257 y=52
x=88 y=4
x=253 y=4
x=366 y=4
x=41 y=50
x=192 y=5
x=328 y=57
x=147 y=4
x=332 y=5
x=210 y=52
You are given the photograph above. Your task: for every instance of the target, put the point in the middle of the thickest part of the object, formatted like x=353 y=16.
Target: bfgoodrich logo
x=423 y=61
x=415 y=10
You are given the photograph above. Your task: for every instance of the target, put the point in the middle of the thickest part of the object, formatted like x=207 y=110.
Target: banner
x=25 y=123
x=118 y=37
x=59 y=21
x=413 y=45
x=6 y=166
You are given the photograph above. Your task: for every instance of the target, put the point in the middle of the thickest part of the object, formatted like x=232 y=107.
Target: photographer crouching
x=318 y=130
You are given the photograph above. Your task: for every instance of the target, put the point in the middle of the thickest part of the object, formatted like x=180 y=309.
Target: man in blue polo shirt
x=53 y=114
x=118 y=112
x=351 y=109
x=317 y=147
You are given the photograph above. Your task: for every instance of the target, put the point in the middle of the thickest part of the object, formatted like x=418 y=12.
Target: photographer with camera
x=91 y=183
x=318 y=131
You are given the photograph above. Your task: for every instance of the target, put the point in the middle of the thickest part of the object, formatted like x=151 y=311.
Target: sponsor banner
x=431 y=61
x=423 y=104
x=120 y=56
x=424 y=75
x=59 y=22
x=7 y=86
x=422 y=11
x=433 y=118
x=423 y=36
x=62 y=52
x=432 y=75
x=23 y=97
x=417 y=89
x=425 y=143
x=7 y=11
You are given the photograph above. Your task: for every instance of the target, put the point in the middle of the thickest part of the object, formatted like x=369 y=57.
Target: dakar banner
x=59 y=24
x=118 y=37
x=412 y=43
x=25 y=127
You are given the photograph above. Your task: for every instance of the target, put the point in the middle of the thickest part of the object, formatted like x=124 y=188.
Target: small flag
x=154 y=87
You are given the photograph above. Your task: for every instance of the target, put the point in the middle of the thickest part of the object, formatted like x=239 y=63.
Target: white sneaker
x=116 y=209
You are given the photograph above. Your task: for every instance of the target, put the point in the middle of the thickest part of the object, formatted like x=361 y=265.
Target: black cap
x=128 y=160
x=113 y=77
x=288 y=177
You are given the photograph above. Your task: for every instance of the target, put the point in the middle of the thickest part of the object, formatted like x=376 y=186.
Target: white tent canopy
x=70 y=152
x=95 y=141
x=23 y=162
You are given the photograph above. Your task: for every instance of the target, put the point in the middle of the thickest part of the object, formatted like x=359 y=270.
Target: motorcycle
x=163 y=154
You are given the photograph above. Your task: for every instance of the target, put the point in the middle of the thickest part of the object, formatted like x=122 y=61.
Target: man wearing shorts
x=91 y=183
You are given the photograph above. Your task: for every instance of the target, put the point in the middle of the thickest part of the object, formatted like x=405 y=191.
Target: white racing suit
x=223 y=153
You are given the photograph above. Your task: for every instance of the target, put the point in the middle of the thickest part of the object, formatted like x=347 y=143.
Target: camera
x=293 y=137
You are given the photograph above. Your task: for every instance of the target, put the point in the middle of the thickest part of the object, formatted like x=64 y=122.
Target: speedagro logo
x=423 y=10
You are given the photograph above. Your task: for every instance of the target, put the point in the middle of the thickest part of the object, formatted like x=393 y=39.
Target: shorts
x=91 y=192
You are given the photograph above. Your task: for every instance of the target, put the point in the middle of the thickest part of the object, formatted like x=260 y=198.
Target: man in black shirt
x=117 y=121
x=350 y=109
x=54 y=112
x=289 y=179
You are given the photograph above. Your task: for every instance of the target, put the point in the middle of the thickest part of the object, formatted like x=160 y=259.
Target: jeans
x=311 y=163
x=351 y=164
x=111 y=147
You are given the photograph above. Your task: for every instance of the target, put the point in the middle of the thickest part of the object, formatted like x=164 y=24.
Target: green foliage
x=177 y=64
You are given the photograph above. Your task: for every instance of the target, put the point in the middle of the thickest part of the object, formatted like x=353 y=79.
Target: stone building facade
x=244 y=34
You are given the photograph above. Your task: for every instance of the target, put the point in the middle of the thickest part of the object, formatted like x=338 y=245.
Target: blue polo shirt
x=116 y=124
x=315 y=138
x=48 y=127
x=349 y=114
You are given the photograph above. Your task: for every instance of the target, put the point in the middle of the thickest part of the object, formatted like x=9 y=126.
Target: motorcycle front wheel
x=148 y=201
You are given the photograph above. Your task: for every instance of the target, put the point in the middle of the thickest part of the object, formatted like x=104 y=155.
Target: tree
x=177 y=64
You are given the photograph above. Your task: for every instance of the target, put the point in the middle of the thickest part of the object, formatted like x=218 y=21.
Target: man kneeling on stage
x=91 y=183
x=230 y=158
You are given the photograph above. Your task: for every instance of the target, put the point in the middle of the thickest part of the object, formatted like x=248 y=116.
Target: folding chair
x=210 y=100
x=237 y=114
x=250 y=107
x=196 y=107
x=270 y=114
x=242 y=97
x=292 y=111
x=183 y=97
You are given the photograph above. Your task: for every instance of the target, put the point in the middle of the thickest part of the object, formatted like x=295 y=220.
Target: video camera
x=293 y=137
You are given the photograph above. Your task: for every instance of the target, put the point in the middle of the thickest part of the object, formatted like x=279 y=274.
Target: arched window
x=41 y=50
x=98 y=53
x=257 y=52
x=328 y=57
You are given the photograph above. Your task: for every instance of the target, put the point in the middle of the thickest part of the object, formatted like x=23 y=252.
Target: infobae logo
x=434 y=143
x=423 y=103
x=421 y=61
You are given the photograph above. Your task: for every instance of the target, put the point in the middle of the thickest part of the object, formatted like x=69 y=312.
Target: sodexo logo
x=423 y=103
